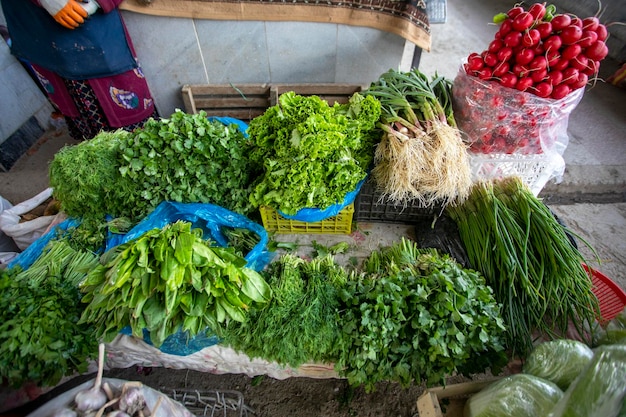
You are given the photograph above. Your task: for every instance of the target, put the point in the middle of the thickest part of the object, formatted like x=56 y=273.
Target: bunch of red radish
x=540 y=52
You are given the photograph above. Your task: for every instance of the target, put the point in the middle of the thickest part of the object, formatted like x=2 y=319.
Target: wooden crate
x=332 y=93
x=247 y=101
x=243 y=101
x=449 y=401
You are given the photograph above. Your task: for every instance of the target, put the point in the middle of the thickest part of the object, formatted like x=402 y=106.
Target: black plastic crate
x=369 y=206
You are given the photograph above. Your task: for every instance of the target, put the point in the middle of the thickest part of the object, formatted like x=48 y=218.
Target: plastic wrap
x=559 y=361
x=600 y=389
x=502 y=120
x=518 y=395
x=25 y=233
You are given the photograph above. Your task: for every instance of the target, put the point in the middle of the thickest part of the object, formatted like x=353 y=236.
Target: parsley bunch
x=415 y=315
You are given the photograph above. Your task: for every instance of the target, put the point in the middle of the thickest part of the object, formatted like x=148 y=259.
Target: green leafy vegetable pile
x=85 y=177
x=186 y=158
x=312 y=154
x=415 y=314
x=168 y=280
x=41 y=340
x=300 y=323
x=526 y=256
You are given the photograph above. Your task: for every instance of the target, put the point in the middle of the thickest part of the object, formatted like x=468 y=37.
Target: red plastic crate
x=611 y=297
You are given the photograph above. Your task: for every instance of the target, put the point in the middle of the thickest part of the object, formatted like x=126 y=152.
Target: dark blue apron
x=96 y=49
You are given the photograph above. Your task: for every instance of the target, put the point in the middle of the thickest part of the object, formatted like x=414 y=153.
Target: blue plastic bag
x=210 y=218
x=241 y=125
x=317 y=215
x=29 y=255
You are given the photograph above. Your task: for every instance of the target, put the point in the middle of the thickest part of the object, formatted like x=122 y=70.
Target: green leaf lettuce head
x=311 y=154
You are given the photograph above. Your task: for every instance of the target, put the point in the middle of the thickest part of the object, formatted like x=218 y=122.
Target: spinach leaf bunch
x=417 y=315
x=311 y=154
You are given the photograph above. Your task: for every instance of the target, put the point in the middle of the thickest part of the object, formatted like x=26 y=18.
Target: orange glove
x=67 y=13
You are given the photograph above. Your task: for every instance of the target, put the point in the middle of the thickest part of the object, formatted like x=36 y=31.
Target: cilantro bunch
x=417 y=315
x=311 y=154
x=185 y=158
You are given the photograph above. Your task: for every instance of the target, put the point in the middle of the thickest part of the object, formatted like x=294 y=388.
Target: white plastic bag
x=8 y=249
x=25 y=233
x=159 y=404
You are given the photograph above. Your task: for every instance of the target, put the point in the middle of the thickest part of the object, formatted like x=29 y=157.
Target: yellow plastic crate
x=341 y=224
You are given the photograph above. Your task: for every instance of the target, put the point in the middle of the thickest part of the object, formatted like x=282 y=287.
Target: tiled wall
x=24 y=110
x=178 y=51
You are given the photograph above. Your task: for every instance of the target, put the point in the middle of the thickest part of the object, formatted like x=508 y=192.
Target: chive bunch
x=526 y=256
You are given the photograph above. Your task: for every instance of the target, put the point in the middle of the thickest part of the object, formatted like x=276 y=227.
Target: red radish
x=571 y=51
x=537 y=10
x=553 y=43
x=553 y=57
x=577 y=21
x=570 y=75
x=591 y=23
x=560 y=22
x=560 y=65
x=531 y=37
x=475 y=62
x=490 y=59
x=524 y=56
x=520 y=70
x=485 y=73
x=538 y=63
x=592 y=67
x=580 y=82
x=515 y=11
x=542 y=89
x=580 y=62
x=602 y=32
x=505 y=53
x=544 y=29
x=505 y=27
x=560 y=91
x=524 y=83
x=597 y=51
x=508 y=80
x=513 y=39
x=539 y=75
x=523 y=21
x=589 y=37
x=538 y=49
x=555 y=77
x=571 y=34
x=495 y=45
x=500 y=69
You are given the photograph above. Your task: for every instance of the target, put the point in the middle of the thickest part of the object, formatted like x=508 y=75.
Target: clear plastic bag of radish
x=500 y=120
